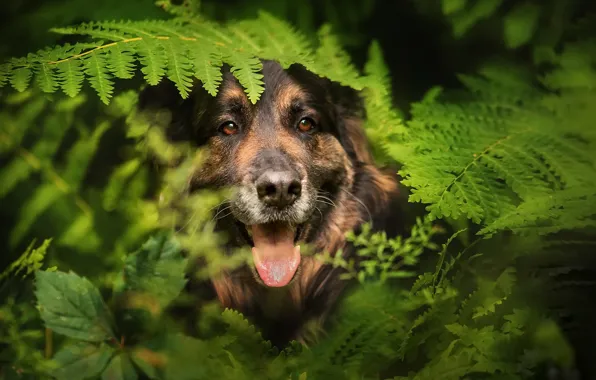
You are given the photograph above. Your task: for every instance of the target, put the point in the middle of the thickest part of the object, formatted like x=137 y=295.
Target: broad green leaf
x=120 y=368
x=72 y=306
x=155 y=274
x=81 y=360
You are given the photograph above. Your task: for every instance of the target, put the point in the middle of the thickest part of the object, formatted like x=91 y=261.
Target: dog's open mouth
x=275 y=253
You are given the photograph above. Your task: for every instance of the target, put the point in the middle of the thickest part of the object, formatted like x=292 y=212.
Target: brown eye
x=306 y=124
x=229 y=128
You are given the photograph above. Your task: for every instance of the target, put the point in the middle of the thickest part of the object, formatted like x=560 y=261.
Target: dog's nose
x=278 y=188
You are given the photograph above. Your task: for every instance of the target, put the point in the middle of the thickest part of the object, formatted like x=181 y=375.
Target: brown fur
x=337 y=158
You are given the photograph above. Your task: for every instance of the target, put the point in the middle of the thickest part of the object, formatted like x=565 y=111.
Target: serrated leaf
x=520 y=24
x=46 y=77
x=207 y=68
x=70 y=75
x=153 y=60
x=99 y=77
x=5 y=70
x=179 y=66
x=81 y=361
x=247 y=69
x=333 y=62
x=72 y=306
x=120 y=368
x=121 y=62
x=20 y=78
x=155 y=273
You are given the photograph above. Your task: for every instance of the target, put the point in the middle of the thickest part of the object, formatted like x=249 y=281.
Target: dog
x=303 y=173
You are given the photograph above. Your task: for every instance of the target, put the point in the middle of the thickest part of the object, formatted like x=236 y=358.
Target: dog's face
x=284 y=158
x=288 y=157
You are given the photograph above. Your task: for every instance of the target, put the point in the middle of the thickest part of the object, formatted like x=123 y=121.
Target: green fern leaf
x=567 y=209
x=207 y=68
x=20 y=78
x=92 y=29
x=384 y=127
x=482 y=156
x=99 y=78
x=248 y=71
x=153 y=59
x=121 y=61
x=179 y=66
x=333 y=62
x=46 y=78
x=71 y=76
x=5 y=70
x=272 y=38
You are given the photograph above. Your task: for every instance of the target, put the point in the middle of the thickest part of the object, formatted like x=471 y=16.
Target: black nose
x=278 y=188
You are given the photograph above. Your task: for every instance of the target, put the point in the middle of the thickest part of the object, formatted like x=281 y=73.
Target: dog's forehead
x=281 y=90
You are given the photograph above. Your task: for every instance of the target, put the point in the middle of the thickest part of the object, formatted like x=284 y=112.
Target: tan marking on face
x=232 y=92
x=287 y=94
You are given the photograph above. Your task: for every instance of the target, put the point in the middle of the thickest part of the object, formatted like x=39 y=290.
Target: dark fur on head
x=339 y=186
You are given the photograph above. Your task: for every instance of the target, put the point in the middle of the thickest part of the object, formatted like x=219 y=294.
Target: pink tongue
x=274 y=254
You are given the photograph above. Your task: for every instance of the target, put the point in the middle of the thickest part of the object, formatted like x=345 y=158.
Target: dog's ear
x=349 y=115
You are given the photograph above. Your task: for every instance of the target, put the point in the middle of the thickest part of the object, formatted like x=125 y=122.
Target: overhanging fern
x=180 y=49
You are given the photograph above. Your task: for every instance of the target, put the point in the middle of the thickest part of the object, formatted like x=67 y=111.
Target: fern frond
x=247 y=70
x=152 y=57
x=572 y=208
x=99 y=77
x=384 y=127
x=121 y=61
x=71 y=76
x=20 y=78
x=179 y=66
x=482 y=157
x=333 y=62
x=178 y=49
x=207 y=69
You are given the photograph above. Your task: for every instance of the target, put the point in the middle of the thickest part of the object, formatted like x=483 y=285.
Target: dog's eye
x=306 y=124
x=229 y=128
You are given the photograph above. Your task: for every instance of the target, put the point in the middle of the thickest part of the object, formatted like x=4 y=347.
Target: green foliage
x=486 y=332
x=502 y=153
x=72 y=306
x=496 y=150
x=179 y=49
